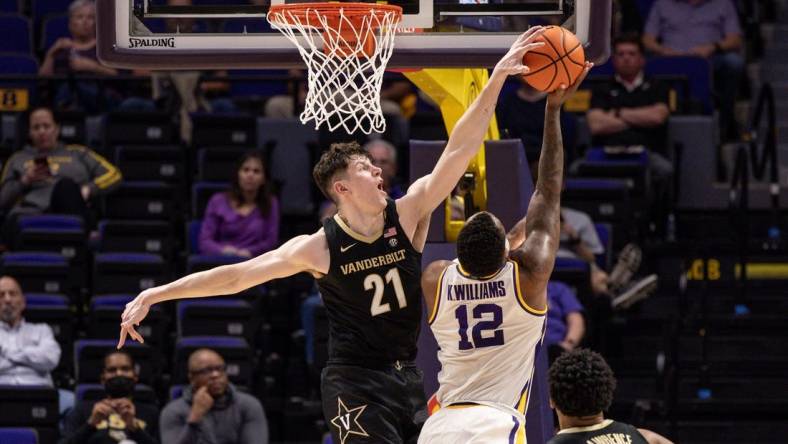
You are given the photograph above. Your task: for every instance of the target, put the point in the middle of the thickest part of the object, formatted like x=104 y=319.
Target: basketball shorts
x=473 y=424
x=383 y=406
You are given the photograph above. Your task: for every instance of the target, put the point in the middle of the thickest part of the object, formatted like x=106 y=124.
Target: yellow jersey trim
x=436 y=302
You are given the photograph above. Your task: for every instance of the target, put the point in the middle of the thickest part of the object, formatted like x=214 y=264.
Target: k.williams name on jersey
x=372 y=262
x=476 y=291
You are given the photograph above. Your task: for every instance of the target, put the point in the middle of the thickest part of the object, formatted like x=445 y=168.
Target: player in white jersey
x=488 y=308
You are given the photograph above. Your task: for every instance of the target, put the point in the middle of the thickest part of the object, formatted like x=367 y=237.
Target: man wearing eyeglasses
x=211 y=409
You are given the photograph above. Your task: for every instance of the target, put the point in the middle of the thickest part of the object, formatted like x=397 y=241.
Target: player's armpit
x=536 y=264
x=430 y=278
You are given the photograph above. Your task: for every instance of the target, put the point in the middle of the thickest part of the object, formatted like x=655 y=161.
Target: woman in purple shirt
x=245 y=220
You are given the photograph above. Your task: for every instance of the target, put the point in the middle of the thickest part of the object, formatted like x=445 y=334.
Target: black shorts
x=362 y=405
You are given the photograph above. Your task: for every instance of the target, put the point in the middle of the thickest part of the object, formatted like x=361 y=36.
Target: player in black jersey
x=581 y=388
x=367 y=260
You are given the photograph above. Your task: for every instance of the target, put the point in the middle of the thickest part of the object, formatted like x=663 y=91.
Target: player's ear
x=340 y=188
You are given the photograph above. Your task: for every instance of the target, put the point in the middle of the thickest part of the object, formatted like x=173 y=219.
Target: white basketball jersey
x=488 y=338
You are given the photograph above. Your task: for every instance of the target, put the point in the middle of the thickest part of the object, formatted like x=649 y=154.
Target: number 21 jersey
x=488 y=338
x=372 y=294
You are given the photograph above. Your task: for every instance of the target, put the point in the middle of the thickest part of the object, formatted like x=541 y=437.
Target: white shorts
x=476 y=424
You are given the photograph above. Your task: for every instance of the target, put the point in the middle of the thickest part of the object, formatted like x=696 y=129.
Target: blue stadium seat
x=235 y=351
x=38 y=272
x=10 y=435
x=40 y=9
x=105 y=311
x=95 y=392
x=215 y=317
x=166 y=163
x=136 y=236
x=605 y=233
x=218 y=164
x=89 y=359
x=15 y=34
x=573 y=272
x=230 y=129
x=176 y=391
x=193 y=228
x=54 y=310
x=128 y=272
x=201 y=194
x=17 y=64
x=139 y=128
x=149 y=200
x=73 y=127
x=54 y=28
x=292 y=145
x=28 y=406
x=633 y=168
x=9 y=6
x=57 y=233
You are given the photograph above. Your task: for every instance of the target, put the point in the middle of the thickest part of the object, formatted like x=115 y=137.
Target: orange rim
x=298 y=13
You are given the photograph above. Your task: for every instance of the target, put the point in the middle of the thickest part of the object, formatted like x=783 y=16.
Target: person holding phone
x=48 y=176
x=118 y=417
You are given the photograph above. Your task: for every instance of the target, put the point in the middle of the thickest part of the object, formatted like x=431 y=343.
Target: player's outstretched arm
x=302 y=253
x=543 y=222
x=654 y=438
x=427 y=192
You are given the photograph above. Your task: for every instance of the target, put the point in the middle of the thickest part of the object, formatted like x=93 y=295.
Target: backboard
x=223 y=34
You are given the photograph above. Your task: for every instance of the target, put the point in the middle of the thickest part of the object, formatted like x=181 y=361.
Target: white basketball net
x=345 y=69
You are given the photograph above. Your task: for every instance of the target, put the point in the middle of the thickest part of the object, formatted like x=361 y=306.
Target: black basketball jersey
x=372 y=294
x=606 y=432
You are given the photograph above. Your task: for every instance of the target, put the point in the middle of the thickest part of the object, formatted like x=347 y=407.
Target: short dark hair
x=581 y=383
x=334 y=161
x=480 y=245
x=118 y=352
x=36 y=109
x=630 y=38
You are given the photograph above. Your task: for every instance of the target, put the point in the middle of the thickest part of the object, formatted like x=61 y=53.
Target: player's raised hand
x=557 y=98
x=135 y=312
x=512 y=62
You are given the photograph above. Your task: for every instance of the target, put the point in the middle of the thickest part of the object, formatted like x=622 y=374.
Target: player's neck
x=568 y=422
x=365 y=224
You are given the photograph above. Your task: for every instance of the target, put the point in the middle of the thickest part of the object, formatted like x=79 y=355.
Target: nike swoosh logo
x=344 y=249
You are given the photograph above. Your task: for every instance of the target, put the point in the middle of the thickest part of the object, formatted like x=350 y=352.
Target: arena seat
x=53 y=28
x=605 y=233
x=136 y=236
x=139 y=128
x=15 y=34
x=201 y=194
x=9 y=6
x=235 y=351
x=202 y=262
x=13 y=435
x=40 y=9
x=215 y=317
x=150 y=200
x=57 y=233
x=105 y=310
x=218 y=164
x=573 y=272
x=39 y=272
x=231 y=129
x=28 y=406
x=128 y=272
x=54 y=310
x=89 y=359
x=605 y=201
x=165 y=163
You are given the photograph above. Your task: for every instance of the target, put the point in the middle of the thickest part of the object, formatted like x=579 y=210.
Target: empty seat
x=218 y=164
x=12 y=435
x=201 y=194
x=15 y=34
x=54 y=233
x=166 y=163
x=95 y=392
x=19 y=93
x=38 y=272
x=51 y=309
x=128 y=272
x=9 y=6
x=151 y=200
x=573 y=272
x=54 y=27
x=633 y=168
x=40 y=9
x=89 y=359
x=292 y=145
x=234 y=129
x=28 y=406
x=235 y=351
x=104 y=319
x=73 y=127
x=136 y=236
x=139 y=128
x=215 y=317
x=605 y=200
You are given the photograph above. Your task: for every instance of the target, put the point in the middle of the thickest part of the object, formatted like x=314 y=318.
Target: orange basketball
x=559 y=61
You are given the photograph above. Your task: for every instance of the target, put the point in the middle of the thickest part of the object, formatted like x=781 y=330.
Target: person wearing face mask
x=243 y=221
x=211 y=409
x=118 y=418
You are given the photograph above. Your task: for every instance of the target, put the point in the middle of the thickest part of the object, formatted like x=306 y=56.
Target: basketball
x=559 y=61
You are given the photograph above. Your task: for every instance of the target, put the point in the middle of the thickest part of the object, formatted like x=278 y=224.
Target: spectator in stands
x=581 y=388
x=28 y=352
x=212 y=410
x=704 y=28
x=566 y=325
x=633 y=111
x=48 y=176
x=579 y=240
x=118 y=417
x=243 y=221
x=77 y=55
x=521 y=116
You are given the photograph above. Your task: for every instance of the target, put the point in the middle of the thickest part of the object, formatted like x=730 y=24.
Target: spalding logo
x=163 y=42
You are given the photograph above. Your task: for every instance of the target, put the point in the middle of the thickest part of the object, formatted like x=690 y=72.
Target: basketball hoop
x=346 y=47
